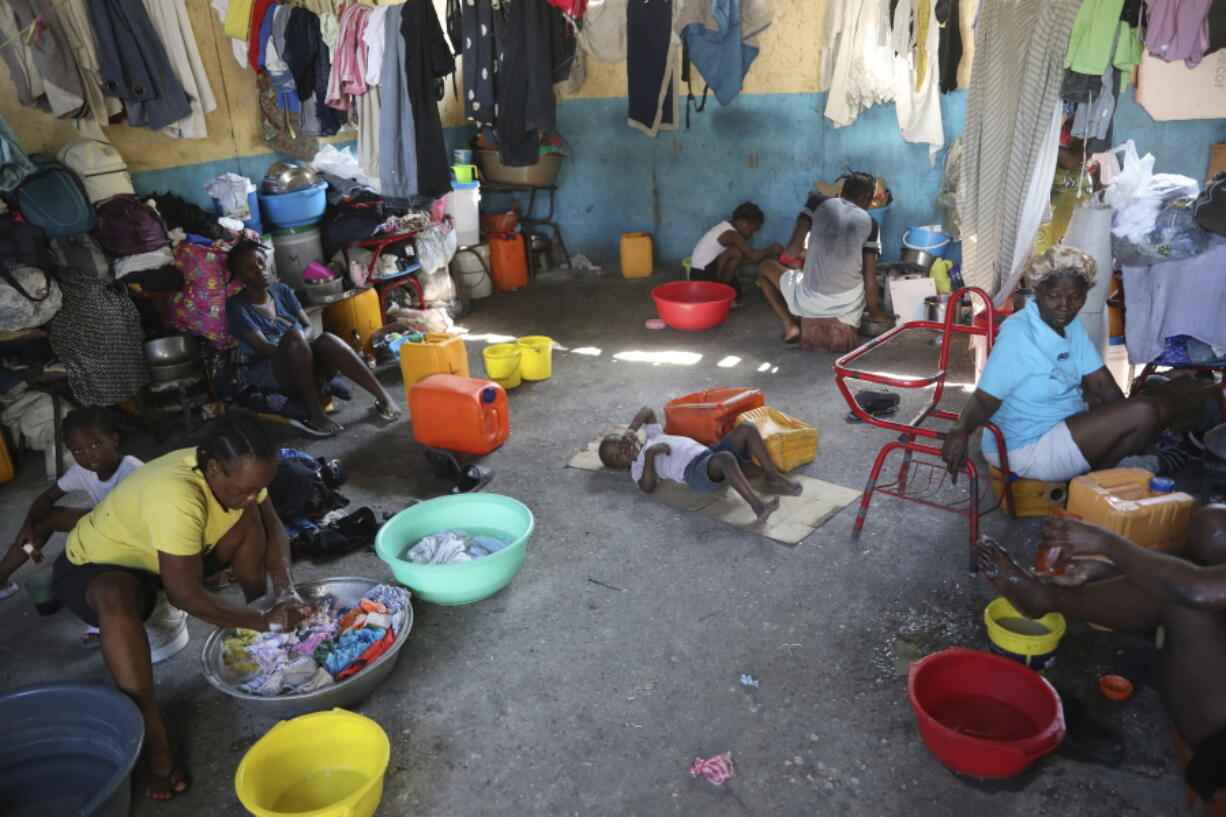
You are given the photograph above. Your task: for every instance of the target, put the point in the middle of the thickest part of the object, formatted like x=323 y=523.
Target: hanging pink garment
x=1178 y=30
x=348 y=59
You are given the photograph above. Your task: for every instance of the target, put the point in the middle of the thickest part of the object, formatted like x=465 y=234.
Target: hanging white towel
x=917 y=99
x=170 y=20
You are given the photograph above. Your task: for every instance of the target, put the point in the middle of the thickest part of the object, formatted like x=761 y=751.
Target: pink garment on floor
x=717 y=768
x=1178 y=30
x=348 y=59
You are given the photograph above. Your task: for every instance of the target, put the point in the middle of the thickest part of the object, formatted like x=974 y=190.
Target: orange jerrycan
x=509 y=260
x=708 y=416
x=1130 y=501
x=359 y=314
x=460 y=413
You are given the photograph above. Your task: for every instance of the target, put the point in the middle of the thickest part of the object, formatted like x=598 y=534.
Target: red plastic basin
x=693 y=305
x=984 y=715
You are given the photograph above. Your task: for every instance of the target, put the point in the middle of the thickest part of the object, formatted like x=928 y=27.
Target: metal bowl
x=161 y=373
x=299 y=178
x=341 y=694
x=176 y=349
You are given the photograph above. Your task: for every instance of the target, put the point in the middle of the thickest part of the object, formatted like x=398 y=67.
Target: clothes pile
x=452 y=546
x=330 y=645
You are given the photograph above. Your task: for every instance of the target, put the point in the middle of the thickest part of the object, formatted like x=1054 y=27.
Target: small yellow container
x=536 y=358
x=326 y=764
x=791 y=442
x=359 y=313
x=503 y=364
x=1036 y=650
x=437 y=353
x=636 y=255
x=6 y=462
x=1121 y=500
x=1031 y=496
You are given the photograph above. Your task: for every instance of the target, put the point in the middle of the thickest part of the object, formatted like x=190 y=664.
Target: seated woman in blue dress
x=281 y=351
x=1042 y=367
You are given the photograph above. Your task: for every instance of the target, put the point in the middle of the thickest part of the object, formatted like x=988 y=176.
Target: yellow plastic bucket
x=502 y=364
x=536 y=359
x=1030 y=641
x=326 y=764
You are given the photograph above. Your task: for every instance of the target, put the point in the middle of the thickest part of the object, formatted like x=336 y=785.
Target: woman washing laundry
x=1042 y=367
x=283 y=353
x=839 y=273
x=170 y=523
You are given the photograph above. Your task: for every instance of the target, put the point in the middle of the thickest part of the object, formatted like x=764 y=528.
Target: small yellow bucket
x=1030 y=641
x=326 y=764
x=502 y=364
x=536 y=361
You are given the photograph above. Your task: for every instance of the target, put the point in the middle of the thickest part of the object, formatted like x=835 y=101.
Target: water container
x=928 y=239
x=636 y=255
x=1031 y=497
x=437 y=354
x=509 y=260
x=359 y=313
x=1122 y=500
x=294 y=248
x=707 y=416
x=502 y=364
x=472 y=273
x=459 y=413
x=536 y=362
x=463 y=203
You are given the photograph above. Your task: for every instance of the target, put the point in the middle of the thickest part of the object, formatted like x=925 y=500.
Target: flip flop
x=443 y=465
x=305 y=426
x=472 y=479
x=8 y=589
x=170 y=785
x=387 y=411
x=792 y=341
x=91 y=638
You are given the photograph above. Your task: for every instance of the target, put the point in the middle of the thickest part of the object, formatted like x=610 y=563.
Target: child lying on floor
x=704 y=469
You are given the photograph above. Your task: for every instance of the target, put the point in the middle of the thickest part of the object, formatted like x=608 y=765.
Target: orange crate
x=708 y=416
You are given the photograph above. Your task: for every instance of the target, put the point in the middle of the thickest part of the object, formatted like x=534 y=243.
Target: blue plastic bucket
x=926 y=239
x=878 y=214
x=296 y=209
x=68 y=749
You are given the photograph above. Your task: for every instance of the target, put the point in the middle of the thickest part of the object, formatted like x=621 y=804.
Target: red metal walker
x=920 y=480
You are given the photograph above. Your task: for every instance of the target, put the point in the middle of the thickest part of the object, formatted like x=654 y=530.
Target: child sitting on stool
x=724 y=249
x=704 y=469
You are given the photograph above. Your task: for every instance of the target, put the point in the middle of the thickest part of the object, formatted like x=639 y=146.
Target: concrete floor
x=560 y=695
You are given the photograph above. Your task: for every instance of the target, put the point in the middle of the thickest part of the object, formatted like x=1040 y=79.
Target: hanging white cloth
x=603 y=36
x=917 y=99
x=370 y=105
x=237 y=47
x=174 y=27
x=373 y=36
x=862 y=72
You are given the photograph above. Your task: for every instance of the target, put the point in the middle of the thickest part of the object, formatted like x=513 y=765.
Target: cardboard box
x=1170 y=90
x=1217 y=161
x=881 y=196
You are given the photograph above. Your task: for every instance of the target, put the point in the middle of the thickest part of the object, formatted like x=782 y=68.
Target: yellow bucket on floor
x=1030 y=641
x=326 y=764
x=536 y=358
x=503 y=364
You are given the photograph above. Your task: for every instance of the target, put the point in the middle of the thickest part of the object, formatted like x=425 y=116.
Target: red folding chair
x=920 y=480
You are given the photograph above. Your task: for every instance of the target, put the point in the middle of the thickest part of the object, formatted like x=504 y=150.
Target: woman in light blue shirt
x=1042 y=367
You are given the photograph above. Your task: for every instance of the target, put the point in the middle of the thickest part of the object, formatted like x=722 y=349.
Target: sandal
x=8 y=589
x=91 y=638
x=388 y=411
x=167 y=787
x=306 y=426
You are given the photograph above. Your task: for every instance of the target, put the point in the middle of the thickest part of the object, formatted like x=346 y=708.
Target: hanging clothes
x=479 y=60
x=134 y=64
x=280 y=127
x=534 y=53
x=43 y=70
x=1178 y=30
x=100 y=108
x=917 y=100
x=375 y=38
x=1012 y=135
x=98 y=337
x=348 y=59
x=720 y=38
x=603 y=36
x=427 y=61
x=1092 y=41
x=858 y=62
x=950 y=56
x=237 y=46
x=174 y=27
x=397 y=132
x=308 y=59
x=255 y=42
x=651 y=66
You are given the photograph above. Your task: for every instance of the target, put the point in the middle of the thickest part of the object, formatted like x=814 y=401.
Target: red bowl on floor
x=693 y=305
x=984 y=715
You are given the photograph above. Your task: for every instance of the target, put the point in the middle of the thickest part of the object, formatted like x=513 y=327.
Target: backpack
x=29 y=298
x=52 y=198
x=100 y=168
x=84 y=253
x=1210 y=206
x=127 y=227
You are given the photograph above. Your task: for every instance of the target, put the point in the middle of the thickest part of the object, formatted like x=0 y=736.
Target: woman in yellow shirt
x=169 y=522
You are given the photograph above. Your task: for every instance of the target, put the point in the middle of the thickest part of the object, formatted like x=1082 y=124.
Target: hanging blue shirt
x=243 y=317
x=1036 y=374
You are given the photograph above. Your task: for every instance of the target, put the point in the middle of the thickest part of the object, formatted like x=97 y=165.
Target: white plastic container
x=293 y=250
x=473 y=277
x=463 y=204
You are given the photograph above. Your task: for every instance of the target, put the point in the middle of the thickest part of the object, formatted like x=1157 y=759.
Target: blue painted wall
x=766 y=148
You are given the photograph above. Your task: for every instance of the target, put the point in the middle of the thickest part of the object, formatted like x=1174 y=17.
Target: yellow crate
x=791 y=442
x=1031 y=496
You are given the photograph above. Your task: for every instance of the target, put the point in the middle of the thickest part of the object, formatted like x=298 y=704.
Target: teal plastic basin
x=479 y=514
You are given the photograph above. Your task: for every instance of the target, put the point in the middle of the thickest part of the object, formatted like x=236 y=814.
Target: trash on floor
x=748 y=680
x=717 y=768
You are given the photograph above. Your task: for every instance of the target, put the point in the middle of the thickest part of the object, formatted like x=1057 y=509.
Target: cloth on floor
x=331 y=644
x=1185 y=297
x=797 y=517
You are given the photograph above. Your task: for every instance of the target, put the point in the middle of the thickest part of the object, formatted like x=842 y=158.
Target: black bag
x=23 y=244
x=1210 y=206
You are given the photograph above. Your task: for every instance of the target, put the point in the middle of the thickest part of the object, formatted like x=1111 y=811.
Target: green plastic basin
x=463 y=583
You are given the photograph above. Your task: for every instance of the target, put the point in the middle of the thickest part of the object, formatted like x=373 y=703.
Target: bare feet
x=768 y=508
x=779 y=484
x=792 y=336
x=1021 y=589
x=322 y=424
